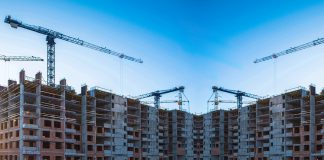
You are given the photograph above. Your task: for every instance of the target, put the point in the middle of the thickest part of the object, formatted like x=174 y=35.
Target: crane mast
x=215 y=99
x=51 y=35
x=20 y=58
x=291 y=50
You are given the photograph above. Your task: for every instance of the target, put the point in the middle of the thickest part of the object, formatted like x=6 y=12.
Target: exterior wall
x=277 y=128
x=119 y=124
x=102 y=104
x=207 y=132
x=319 y=122
x=232 y=134
x=154 y=129
x=251 y=131
x=198 y=137
x=243 y=133
x=133 y=129
x=262 y=128
x=149 y=129
x=177 y=135
x=189 y=137
x=163 y=139
x=295 y=127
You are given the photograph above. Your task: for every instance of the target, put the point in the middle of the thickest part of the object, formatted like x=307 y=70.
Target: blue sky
x=192 y=43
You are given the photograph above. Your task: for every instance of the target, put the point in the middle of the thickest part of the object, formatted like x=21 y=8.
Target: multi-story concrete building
x=56 y=123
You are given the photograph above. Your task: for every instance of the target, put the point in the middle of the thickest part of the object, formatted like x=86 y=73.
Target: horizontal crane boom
x=231 y=101
x=291 y=50
x=165 y=101
x=159 y=92
x=20 y=58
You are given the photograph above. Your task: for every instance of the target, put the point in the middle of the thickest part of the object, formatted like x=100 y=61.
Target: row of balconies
x=30 y=126
x=30 y=150
x=30 y=137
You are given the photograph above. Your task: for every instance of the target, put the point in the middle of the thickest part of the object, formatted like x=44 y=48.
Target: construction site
x=44 y=120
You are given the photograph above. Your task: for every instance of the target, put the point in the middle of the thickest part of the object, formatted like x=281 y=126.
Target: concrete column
x=312 y=120
x=84 y=122
x=157 y=121
x=10 y=103
x=119 y=122
x=243 y=133
x=93 y=118
x=302 y=107
x=303 y=110
x=207 y=131
x=63 y=113
x=21 y=112
x=229 y=132
x=189 y=136
x=221 y=138
x=38 y=80
x=174 y=135
x=285 y=123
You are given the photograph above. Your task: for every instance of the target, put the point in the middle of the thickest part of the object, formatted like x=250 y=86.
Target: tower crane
x=291 y=50
x=238 y=94
x=19 y=58
x=157 y=95
x=51 y=35
x=214 y=99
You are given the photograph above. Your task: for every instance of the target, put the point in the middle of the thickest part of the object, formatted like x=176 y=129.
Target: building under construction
x=38 y=121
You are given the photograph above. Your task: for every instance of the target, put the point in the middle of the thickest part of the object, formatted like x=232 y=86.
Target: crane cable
x=7 y=69
x=121 y=76
x=6 y=66
x=275 y=75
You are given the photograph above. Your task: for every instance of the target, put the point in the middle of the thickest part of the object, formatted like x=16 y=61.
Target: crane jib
x=292 y=50
x=20 y=58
